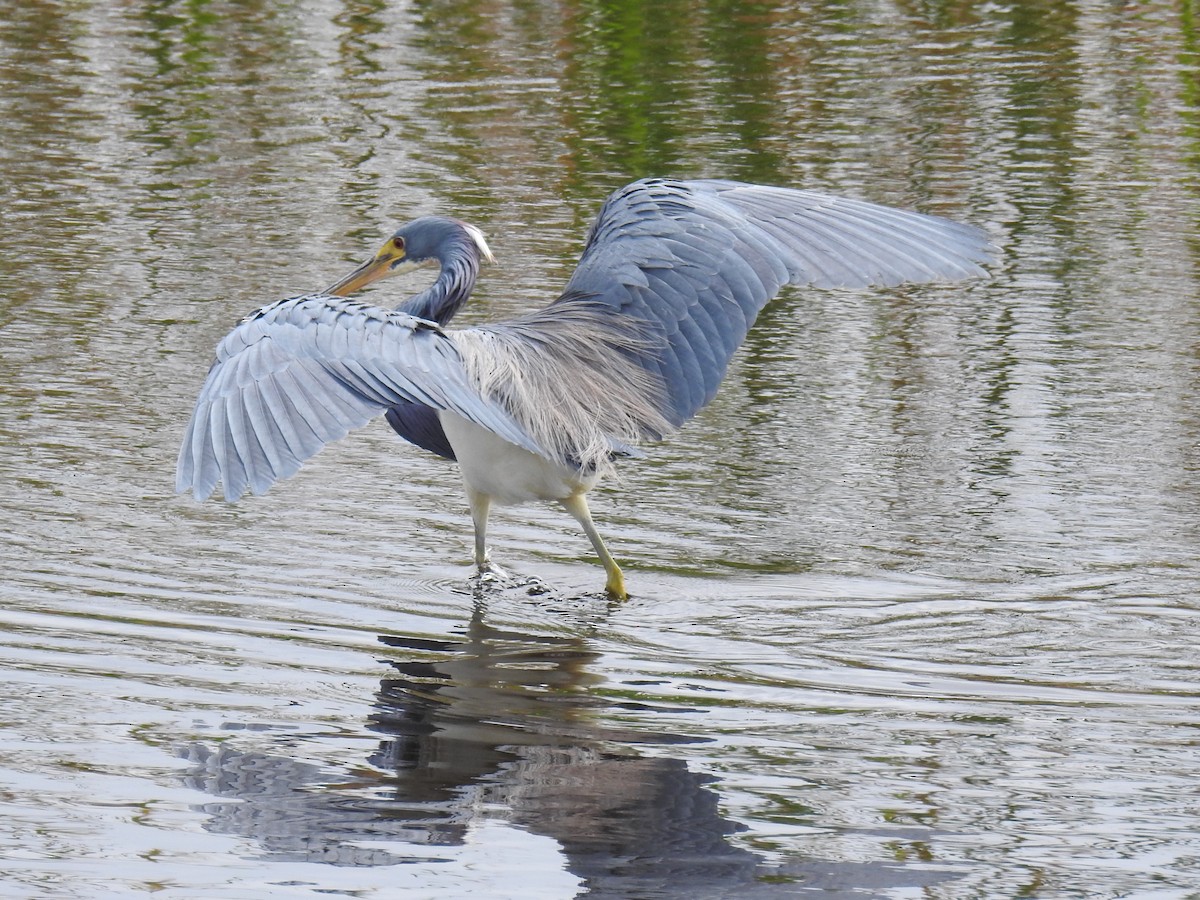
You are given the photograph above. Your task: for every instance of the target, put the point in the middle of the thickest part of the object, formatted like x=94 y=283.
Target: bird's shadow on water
x=510 y=724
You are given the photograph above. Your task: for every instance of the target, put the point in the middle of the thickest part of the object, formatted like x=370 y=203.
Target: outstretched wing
x=691 y=264
x=296 y=375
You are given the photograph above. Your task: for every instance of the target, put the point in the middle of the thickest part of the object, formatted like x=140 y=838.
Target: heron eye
x=398 y=243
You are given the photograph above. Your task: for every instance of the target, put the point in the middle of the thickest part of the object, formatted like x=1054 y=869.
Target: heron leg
x=577 y=506
x=481 y=504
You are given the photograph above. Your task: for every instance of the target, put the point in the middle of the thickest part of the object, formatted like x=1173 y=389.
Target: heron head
x=430 y=239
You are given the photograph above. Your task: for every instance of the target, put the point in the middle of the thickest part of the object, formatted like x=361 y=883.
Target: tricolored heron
x=538 y=407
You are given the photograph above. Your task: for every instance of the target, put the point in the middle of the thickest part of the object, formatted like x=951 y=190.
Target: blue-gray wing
x=296 y=375
x=691 y=263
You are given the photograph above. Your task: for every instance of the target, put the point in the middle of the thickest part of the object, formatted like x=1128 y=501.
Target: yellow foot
x=615 y=586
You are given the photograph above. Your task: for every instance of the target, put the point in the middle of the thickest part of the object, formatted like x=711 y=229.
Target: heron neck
x=446 y=296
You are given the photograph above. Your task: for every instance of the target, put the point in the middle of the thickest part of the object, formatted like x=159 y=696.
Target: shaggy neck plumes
x=459 y=263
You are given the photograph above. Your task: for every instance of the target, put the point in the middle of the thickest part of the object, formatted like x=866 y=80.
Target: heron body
x=672 y=276
x=509 y=475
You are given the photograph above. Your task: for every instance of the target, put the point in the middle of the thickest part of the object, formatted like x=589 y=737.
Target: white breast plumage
x=506 y=473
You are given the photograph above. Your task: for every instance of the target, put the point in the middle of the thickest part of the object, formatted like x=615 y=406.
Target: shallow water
x=915 y=600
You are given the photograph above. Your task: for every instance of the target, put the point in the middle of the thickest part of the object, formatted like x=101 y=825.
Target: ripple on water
x=821 y=703
x=915 y=598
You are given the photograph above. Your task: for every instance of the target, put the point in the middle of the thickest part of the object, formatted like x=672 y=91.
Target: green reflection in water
x=175 y=105
x=1188 y=60
x=674 y=88
x=628 y=79
x=613 y=89
x=362 y=33
x=745 y=81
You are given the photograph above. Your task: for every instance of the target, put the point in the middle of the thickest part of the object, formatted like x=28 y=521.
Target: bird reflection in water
x=508 y=724
x=509 y=714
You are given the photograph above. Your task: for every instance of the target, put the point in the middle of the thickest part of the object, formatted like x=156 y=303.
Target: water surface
x=915 y=600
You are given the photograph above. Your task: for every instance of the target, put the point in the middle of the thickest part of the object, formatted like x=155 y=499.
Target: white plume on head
x=480 y=241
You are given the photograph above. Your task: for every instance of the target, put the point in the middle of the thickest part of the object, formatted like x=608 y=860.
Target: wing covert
x=693 y=263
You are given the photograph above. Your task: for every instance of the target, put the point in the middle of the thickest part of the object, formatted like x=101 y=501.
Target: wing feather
x=261 y=435
x=245 y=455
x=296 y=375
x=216 y=443
x=308 y=409
x=692 y=263
x=295 y=415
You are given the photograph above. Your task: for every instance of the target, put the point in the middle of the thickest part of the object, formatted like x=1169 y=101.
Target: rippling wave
x=914 y=600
